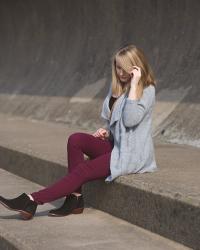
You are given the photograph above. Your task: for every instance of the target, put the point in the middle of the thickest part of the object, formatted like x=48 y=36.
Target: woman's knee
x=76 y=138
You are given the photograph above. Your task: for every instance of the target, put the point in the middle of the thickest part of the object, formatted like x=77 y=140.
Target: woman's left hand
x=136 y=75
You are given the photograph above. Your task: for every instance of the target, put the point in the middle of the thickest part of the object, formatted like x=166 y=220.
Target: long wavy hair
x=129 y=56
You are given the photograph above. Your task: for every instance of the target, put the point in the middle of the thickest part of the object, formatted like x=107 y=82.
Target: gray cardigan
x=131 y=129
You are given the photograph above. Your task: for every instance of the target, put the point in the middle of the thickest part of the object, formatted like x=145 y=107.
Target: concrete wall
x=55 y=59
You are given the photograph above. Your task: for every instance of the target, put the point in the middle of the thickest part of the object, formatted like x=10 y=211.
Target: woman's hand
x=101 y=133
x=136 y=75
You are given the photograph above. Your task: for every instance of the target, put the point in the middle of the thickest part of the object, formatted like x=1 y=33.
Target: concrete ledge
x=166 y=202
x=30 y=167
x=91 y=230
x=6 y=243
x=160 y=214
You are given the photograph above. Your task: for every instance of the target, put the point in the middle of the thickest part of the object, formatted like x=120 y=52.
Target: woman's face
x=122 y=74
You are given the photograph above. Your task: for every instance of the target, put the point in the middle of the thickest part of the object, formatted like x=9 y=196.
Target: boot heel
x=77 y=211
x=26 y=216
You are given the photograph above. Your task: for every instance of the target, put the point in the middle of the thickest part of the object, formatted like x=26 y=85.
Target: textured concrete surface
x=166 y=202
x=55 y=59
x=55 y=66
x=92 y=229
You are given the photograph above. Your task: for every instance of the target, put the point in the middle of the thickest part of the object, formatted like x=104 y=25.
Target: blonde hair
x=128 y=57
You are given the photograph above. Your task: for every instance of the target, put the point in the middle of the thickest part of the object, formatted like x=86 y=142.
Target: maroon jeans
x=80 y=170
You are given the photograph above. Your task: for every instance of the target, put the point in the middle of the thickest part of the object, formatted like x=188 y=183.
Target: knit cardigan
x=130 y=127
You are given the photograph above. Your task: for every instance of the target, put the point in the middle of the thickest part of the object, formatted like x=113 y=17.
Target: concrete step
x=93 y=229
x=166 y=202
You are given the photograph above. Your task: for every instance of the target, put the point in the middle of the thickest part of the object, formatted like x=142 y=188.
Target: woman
x=123 y=147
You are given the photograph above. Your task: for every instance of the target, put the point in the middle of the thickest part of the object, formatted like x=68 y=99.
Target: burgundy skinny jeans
x=80 y=170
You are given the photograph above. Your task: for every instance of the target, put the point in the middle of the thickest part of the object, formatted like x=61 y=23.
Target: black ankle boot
x=22 y=204
x=72 y=205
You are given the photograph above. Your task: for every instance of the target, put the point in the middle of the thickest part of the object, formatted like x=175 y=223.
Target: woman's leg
x=79 y=144
x=85 y=171
x=79 y=169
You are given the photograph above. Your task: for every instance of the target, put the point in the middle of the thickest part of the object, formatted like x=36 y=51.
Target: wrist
x=134 y=84
x=132 y=92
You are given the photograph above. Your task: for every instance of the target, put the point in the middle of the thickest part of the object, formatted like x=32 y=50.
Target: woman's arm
x=135 y=110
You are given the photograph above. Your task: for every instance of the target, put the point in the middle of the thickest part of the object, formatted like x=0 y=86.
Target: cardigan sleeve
x=135 y=110
x=106 y=125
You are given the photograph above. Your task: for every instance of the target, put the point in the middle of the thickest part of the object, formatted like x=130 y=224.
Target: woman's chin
x=124 y=81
